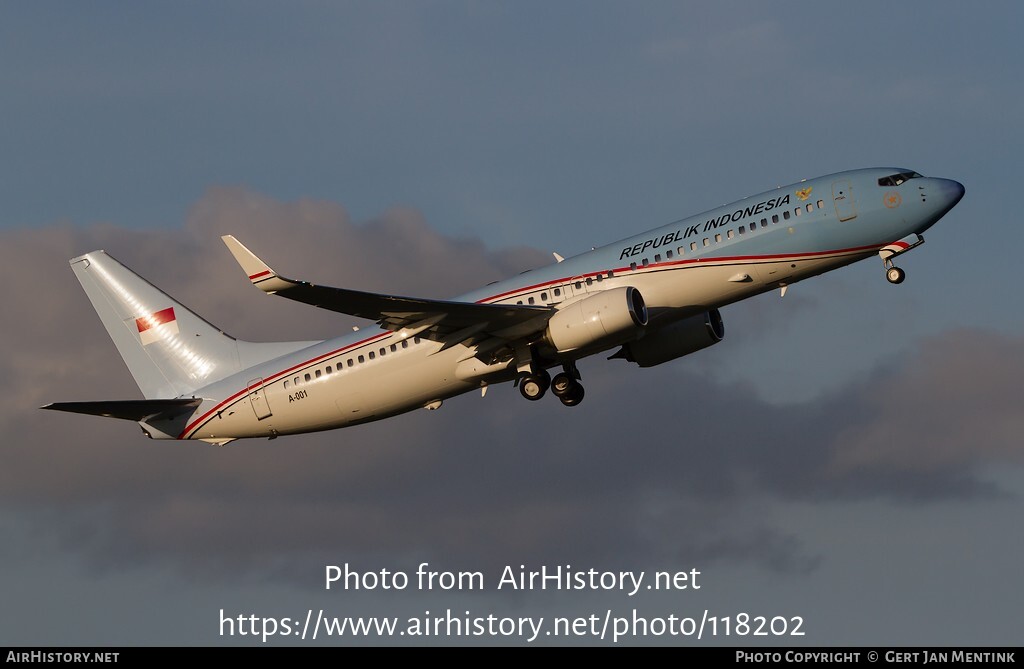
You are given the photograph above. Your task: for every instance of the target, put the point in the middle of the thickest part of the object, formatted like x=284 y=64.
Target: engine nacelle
x=607 y=318
x=675 y=340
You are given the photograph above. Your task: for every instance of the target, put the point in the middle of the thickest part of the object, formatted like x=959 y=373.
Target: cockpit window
x=897 y=179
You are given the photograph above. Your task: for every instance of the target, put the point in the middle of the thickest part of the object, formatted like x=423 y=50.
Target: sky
x=850 y=454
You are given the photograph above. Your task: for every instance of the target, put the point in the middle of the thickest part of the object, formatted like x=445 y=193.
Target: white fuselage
x=713 y=259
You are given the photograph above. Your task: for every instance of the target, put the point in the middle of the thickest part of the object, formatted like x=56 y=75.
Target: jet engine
x=675 y=340
x=605 y=319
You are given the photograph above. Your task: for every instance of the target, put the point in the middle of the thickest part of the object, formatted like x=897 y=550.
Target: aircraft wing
x=440 y=320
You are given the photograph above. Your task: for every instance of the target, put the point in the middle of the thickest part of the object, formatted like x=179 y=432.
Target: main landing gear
x=565 y=386
x=533 y=386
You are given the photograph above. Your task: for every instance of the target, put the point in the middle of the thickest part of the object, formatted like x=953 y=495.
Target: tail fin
x=169 y=350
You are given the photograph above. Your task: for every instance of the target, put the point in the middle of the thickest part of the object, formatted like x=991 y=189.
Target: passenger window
x=764 y=222
x=810 y=208
x=632 y=266
x=730 y=234
x=798 y=211
x=643 y=262
x=753 y=226
x=579 y=284
x=372 y=356
x=415 y=340
x=394 y=348
x=544 y=296
x=531 y=300
x=318 y=374
x=286 y=384
x=558 y=292
x=718 y=238
x=590 y=279
x=681 y=250
x=821 y=204
x=668 y=254
x=362 y=359
x=657 y=257
x=307 y=377
x=707 y=242
x=296 y=380
x=600 y=278
x=742 y=229
x=329 y=369
x=405 y=342
x=519 y=301
x=693 y=246
x=775 y=218
x=785 y=214
x=350 y=363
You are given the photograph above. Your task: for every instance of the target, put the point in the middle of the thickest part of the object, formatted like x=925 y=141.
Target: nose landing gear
x=894 y=274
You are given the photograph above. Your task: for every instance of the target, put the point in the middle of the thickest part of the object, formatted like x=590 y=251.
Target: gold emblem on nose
x=892 y=199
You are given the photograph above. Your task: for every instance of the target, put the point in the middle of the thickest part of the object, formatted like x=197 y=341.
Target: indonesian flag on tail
x=157 y=326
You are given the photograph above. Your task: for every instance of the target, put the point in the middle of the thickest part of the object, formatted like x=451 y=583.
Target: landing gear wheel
x=574 y=396
x=562 y=384
x=895 y=275
x=533 y=386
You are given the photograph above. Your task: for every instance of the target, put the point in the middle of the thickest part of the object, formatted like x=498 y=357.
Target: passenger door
x=842 y=196
x=258 y=399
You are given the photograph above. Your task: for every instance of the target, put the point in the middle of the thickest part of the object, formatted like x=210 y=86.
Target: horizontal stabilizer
x=137 y=410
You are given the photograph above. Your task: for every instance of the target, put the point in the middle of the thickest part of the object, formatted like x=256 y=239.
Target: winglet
x=258 y=271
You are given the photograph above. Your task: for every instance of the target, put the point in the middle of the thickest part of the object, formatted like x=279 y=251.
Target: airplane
x=652 y=297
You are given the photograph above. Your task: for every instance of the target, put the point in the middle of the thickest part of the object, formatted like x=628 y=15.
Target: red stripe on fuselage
x=194 y=425
x=672 y=263
x=528 y=289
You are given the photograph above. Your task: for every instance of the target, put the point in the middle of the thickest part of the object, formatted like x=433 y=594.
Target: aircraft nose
x=950 y=191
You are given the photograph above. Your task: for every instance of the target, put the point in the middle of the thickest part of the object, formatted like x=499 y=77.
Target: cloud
x=956 y=404
x=660 y=464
